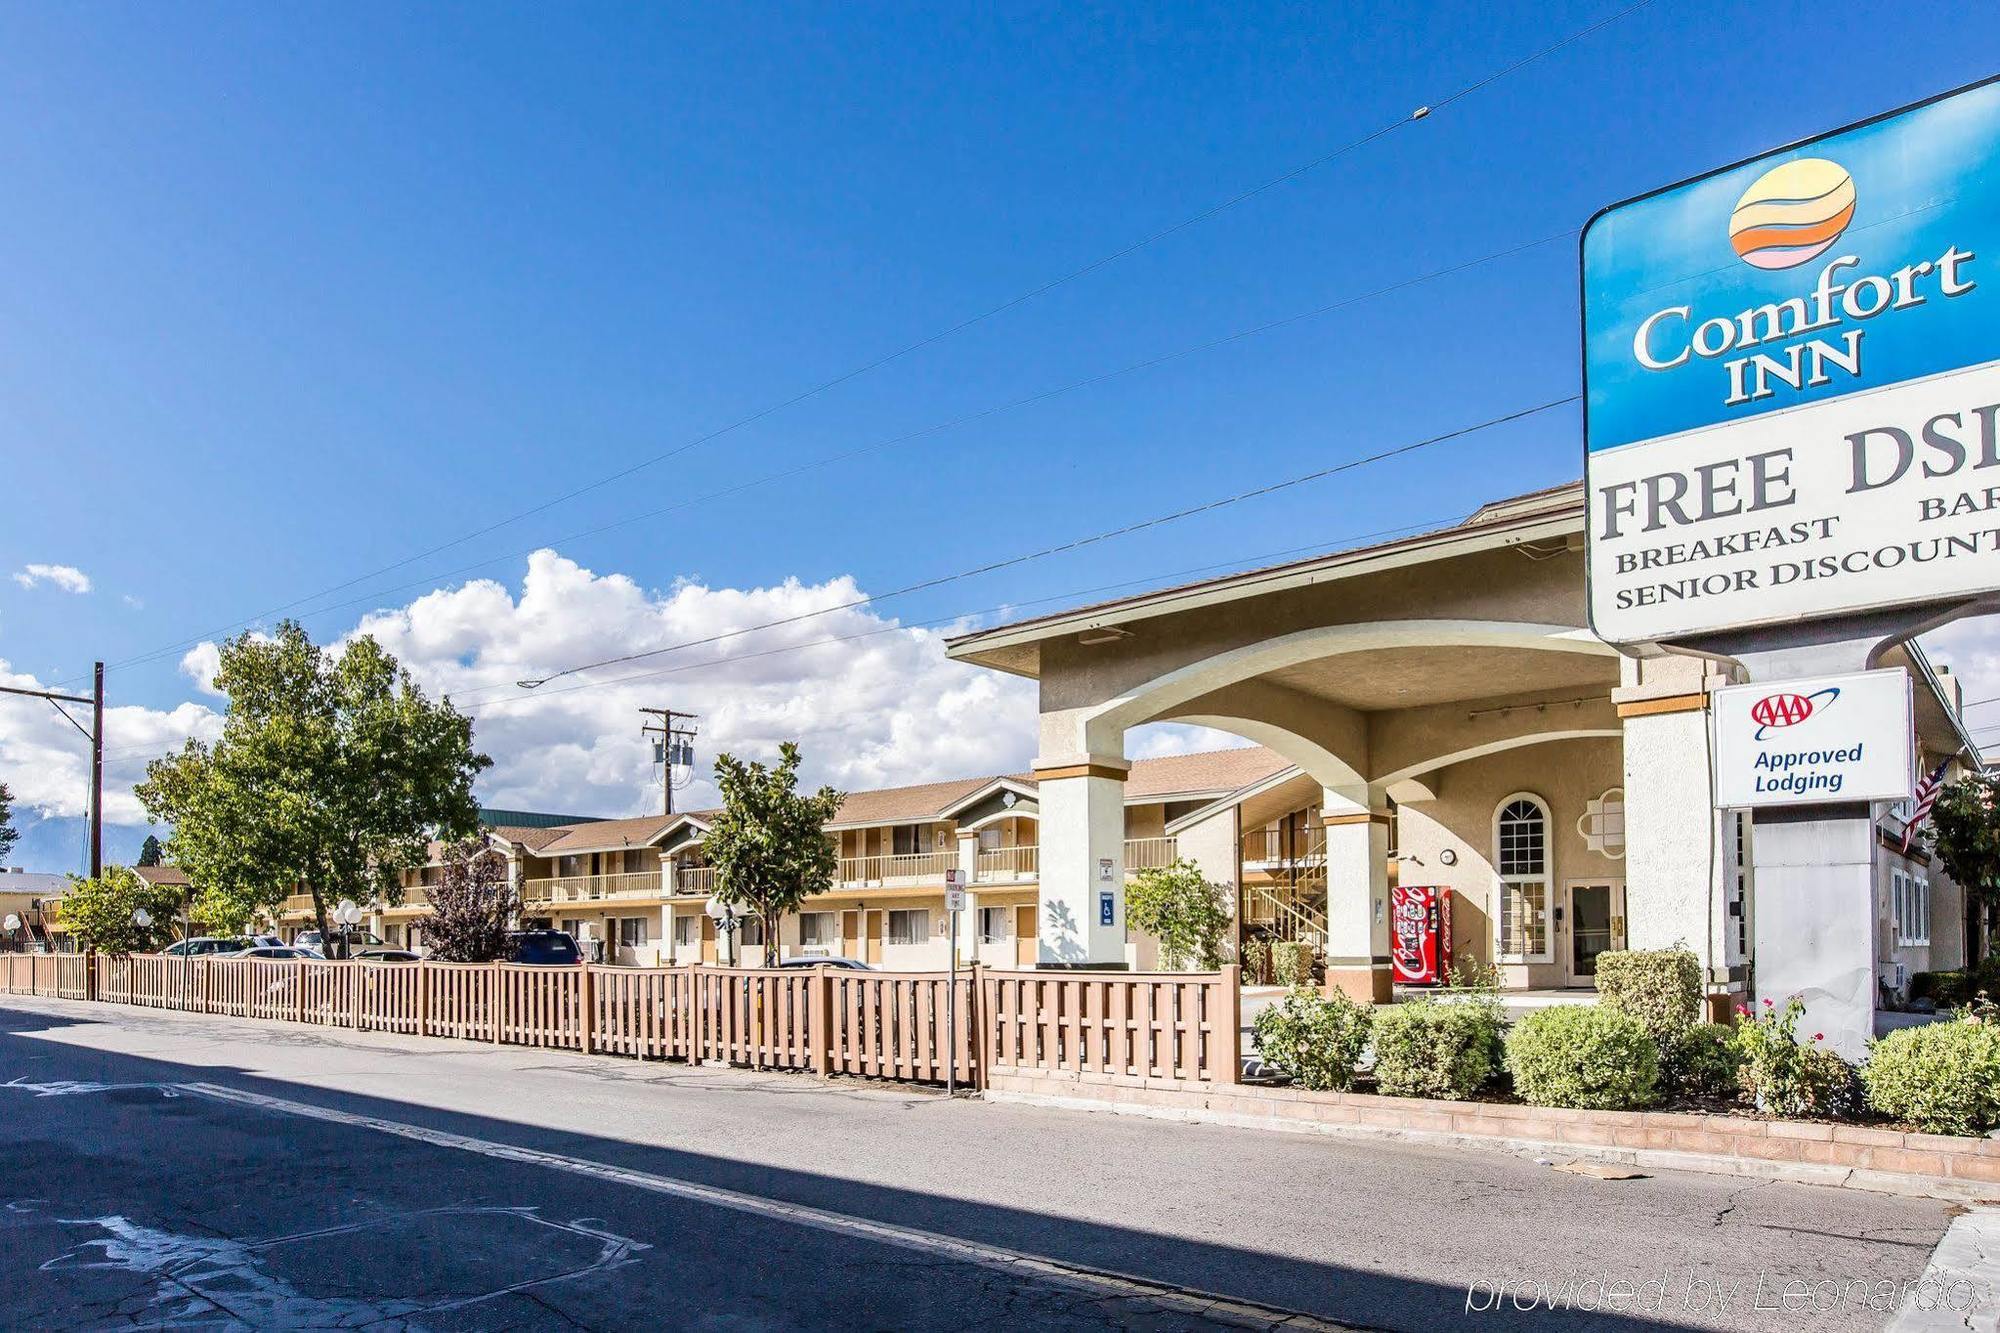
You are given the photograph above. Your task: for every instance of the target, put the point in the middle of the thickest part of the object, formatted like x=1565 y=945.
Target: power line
x=951 y=330
x=477 y=707
x=908 y=437
x=1078 y=543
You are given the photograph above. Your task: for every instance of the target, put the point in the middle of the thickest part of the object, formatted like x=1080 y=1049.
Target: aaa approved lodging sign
x=1814 y=742
x=1792 y=381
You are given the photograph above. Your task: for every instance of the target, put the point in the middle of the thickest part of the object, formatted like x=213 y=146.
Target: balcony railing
x=908 y=869
x=689 y=880
x=591 y=888
x=1000 y=865
x=1150 y=853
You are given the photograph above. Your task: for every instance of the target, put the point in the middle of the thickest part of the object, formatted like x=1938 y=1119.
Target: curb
x=1662 y=1159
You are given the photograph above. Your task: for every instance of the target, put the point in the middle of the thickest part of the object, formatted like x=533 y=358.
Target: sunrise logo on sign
x=1792 y=213
x=1774 y=711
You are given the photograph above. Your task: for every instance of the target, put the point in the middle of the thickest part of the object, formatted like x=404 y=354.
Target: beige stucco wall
x=1564 y=774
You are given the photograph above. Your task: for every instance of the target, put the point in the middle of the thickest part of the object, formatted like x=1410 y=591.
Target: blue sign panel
x=1846 y=263
x=1792 y=380
x=1107 y=909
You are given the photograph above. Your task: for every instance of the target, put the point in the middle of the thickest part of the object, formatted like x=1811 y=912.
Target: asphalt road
x=164 y=1169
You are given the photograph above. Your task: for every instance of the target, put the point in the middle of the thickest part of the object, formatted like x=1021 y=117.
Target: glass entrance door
x=1596 y=924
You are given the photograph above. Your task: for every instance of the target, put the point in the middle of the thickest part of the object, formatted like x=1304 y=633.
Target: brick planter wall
x=1851 y=1155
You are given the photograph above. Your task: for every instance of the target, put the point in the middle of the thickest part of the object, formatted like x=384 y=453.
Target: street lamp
x=346 y=915
x=724 y=916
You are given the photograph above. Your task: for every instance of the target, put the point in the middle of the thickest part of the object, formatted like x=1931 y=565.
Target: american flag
x=1927 y=794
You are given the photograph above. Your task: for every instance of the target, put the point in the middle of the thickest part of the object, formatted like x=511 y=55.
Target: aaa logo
x=1788 y=710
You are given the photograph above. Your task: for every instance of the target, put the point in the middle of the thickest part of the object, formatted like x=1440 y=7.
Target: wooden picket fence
x=1132 y=1025
x=886 y=1025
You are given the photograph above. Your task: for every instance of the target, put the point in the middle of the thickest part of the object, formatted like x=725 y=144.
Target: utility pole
x=676 y=745
x=97 y=772
x=95 y=735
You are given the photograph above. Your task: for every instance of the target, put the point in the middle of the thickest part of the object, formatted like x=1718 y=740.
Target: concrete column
x=1675 y=854
x=1083 y=863
x=1357 y=824
x=1815 y=918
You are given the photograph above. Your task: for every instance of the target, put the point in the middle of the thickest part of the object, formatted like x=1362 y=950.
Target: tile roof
x=902 y=804
x=161 y=874
x=1206 y=771
x=604 y=835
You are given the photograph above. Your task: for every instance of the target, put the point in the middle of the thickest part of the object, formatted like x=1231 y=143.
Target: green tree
x=332 y=774
x=9 y=835
x=769 y=845
x=472 y=905
x=1964 y=834
x=98 y=913
x=150 y=853
x=1180 y=908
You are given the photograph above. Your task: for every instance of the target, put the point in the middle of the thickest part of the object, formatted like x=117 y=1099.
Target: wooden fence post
x=819 y=1014
x=695 y=1015
x=497 y=994
x=1229 y=1039
x=354 y=975
x=423 y=1001
x=586 y=1020
x=975 y=1063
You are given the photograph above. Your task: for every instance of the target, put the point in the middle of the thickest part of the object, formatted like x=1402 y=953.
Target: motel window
x=687 y=930
x=989 y=839
x=750 y=931
x=632 y=932
x=909 y=925
x=994 y=924
x=818 y=928
x=1910 y=906
x=1521 y=858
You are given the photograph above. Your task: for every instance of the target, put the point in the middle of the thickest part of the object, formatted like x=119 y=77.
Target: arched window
x=1521 y=862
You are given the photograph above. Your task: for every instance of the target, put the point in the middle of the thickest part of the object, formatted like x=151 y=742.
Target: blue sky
x=297 y=291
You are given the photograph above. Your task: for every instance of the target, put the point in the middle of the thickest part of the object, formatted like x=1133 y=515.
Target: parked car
x=270 y=951
x=549 y=948
x=356 y=939
x=203 y=946
x=385 y=956
x=845 y=964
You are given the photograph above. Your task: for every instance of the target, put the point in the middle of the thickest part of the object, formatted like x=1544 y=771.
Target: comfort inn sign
x=1792 y=381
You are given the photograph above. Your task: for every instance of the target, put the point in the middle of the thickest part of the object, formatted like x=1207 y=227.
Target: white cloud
x=880 y=707
x=68 y=578
x=47 y=762
x=132 y=603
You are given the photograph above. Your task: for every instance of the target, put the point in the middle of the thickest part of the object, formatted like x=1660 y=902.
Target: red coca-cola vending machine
x=1420 y=934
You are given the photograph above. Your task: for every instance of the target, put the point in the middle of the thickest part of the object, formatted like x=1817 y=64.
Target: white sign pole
x=954 y=903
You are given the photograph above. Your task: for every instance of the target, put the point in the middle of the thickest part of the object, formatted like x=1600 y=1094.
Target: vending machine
x=1420 y=934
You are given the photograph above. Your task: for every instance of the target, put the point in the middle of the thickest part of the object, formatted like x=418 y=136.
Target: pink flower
x=1767 y=1004
x=1819 y=1036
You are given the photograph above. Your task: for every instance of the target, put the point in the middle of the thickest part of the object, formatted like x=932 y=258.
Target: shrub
x=1437 y=1048
x=1944 y=1078
x=1946 y=989
x=1291 y=963
x=1784 y=1075
x=1178 y=906
x=1702 y=1062
x=1593 y=1057
x=1315 y=1039
x=1256 y=959
x=1659 y=987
